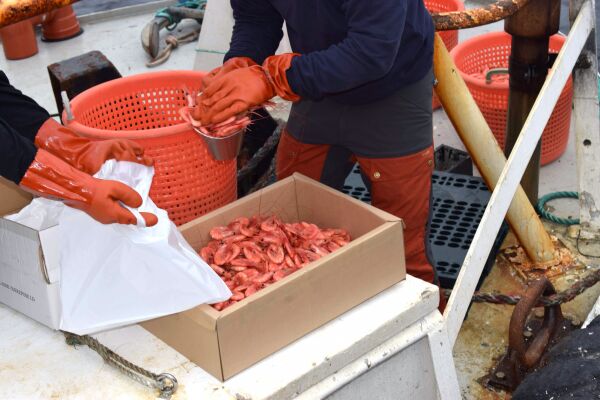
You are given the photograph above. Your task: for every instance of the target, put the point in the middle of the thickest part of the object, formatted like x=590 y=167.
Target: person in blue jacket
x=360 y=80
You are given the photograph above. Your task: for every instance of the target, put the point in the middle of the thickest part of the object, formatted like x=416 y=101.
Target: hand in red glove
x=85 y=154
x=49 y=176
x=229 y=65
x=239 y=90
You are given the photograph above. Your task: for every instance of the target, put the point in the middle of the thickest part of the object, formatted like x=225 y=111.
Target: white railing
x=515 y=167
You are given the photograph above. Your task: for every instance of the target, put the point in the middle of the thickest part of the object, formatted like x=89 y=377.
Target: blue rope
x=164 y=12
x=541 y=209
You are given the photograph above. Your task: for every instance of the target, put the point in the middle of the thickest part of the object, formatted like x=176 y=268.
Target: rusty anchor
x=528 y=338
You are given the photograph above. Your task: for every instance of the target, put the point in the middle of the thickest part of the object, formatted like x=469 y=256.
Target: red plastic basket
x=476 y=56
x=188 y=182
x=450 y=38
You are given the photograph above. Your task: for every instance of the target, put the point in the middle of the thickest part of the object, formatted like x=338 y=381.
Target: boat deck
x=483 y=336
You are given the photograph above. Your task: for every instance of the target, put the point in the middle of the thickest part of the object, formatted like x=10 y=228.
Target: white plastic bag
x=40 y=214
x=115 y=275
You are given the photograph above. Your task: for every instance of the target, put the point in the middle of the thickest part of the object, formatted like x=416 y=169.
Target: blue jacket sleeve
x=257 y=30
x=20 y=119
x=367 y=53
x=16 y=153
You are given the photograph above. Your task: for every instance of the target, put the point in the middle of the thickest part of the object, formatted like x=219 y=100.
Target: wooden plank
x=587 y=132
x=513 y=171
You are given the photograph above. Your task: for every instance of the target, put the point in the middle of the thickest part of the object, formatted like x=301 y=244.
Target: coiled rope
x=541 y=209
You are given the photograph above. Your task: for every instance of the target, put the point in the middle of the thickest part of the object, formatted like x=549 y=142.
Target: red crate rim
x=85 y=99
x=467 y=47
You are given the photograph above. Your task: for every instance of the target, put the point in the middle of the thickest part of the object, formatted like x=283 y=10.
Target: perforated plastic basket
x=188 y=182
x=476 y=56
x=450 y=38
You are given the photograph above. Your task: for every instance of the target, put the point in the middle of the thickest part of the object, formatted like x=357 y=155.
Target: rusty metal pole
x=473 y=17
x=486 y=153
x=531 y=28
x=19 y=10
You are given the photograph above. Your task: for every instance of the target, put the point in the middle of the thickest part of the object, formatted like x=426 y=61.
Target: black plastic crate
x=458 y=203
x=449 y=159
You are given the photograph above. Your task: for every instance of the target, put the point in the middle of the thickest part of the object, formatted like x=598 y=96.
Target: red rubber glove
x=242 y=89
x=85 y=154
x=49 y=176
x=229 y=65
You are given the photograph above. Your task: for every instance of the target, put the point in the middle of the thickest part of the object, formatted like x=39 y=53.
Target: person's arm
x=42 y=173
x=16 y=153
x=367 y=53
x=257 y=30
x=21 y=112
x=29 y=120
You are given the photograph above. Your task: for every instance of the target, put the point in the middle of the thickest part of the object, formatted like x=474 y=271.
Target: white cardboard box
x=29 y=262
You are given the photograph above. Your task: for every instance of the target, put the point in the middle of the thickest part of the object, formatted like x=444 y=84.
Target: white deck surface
x=35 y=362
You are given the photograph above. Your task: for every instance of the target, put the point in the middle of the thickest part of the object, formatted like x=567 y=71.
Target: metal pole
x=508 y=181
x=473 y=17
x=20 y=10
x=531 y=28
x=486 y=153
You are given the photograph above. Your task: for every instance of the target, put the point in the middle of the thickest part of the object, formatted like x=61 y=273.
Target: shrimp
x=275 y=254
x=252 y=253
x=220 y=232
x=217 y=269
x=207 y=254
x=226 y=253
x=269 y=225
x=252 y=289
x=237 y=296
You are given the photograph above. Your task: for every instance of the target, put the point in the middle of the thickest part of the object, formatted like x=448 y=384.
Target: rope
x=541 y=209
x=172 y=43
x=263 y=152
x=173 y=22
x=563 y=297
x=165 y=383
x=210 y=51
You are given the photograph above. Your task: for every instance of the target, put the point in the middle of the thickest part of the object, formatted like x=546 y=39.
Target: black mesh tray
x=458 y=204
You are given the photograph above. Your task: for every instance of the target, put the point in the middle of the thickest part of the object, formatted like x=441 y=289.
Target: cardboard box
x=29 y=268
x=225 y=343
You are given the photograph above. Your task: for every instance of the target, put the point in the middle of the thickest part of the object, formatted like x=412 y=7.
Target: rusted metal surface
x=579 y=287
x=529 y=355
x=80 y=73
x=446 y=21
x=530 y=337
x=12 y=11
x=483 y=338
x=528 y=269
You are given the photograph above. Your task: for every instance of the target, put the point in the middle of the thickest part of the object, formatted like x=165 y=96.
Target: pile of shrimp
x=222 y=129
x=250 y=254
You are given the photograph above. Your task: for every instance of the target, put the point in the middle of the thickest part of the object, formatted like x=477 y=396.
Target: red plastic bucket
x=188 y=182
x=476 y=56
